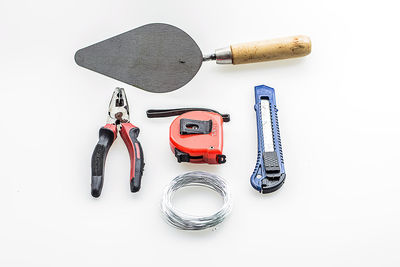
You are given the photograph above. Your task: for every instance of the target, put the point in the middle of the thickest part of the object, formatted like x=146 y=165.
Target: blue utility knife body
x=269 y=173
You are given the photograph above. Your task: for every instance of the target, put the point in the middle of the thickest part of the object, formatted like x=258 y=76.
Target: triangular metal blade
x=155 y=57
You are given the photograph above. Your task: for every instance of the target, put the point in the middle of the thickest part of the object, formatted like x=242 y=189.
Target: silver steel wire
x=185 y=221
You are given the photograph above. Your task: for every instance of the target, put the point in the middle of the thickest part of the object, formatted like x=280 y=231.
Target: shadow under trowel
x=278 y=64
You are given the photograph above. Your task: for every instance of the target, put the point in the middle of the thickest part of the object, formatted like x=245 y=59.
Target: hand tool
x=161 y=58
x=269 y=173
x=185 y=221
x=118 y=117
x=195 y=136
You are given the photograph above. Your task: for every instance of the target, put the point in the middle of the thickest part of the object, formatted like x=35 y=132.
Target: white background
x=339 y=118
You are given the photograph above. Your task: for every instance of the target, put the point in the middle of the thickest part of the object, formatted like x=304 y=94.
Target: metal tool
x=118 y=118
x=161 y=58
x=269 y=173
x=195 y=136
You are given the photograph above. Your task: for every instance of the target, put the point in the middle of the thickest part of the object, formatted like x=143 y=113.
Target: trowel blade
x=155 y=57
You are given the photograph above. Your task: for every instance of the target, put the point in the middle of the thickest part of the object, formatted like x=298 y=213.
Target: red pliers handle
x=107 y=135
x=129 y=134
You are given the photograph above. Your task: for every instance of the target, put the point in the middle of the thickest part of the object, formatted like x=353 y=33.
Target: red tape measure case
x=197 y=137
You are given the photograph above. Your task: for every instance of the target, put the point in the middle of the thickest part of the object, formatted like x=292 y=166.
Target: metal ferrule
x=223 y=55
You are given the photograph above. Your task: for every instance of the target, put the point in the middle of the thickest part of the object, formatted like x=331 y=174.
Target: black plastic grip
x=106 y=138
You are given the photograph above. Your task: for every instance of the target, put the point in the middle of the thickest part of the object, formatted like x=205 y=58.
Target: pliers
x=118 y=118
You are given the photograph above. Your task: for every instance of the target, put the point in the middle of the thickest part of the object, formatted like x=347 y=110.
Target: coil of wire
x=185 y=221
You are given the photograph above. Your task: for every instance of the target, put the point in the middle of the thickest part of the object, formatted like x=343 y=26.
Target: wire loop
x=191 y=222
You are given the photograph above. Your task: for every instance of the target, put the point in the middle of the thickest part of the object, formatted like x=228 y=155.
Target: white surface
x=339 y=120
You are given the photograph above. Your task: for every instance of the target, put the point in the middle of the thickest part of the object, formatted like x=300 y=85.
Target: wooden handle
x=280 y=48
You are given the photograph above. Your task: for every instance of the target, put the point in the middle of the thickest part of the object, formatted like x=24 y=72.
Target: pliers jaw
x=118 y=110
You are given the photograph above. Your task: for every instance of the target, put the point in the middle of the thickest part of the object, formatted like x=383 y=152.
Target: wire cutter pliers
x=118 y=118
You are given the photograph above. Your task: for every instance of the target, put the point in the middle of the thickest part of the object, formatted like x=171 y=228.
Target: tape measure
x=195 y=136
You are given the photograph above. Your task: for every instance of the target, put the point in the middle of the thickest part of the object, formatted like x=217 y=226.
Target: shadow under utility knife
x=118 y=120
x=161 y=58
x=269 y=173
